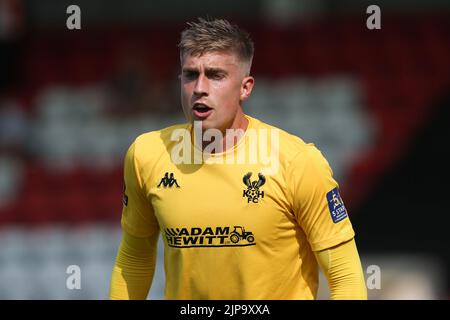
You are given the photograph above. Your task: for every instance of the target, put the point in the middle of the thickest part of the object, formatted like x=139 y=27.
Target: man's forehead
x=213 y=60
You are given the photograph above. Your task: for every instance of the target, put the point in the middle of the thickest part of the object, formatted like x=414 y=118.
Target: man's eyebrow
x=215 y=70
x=207 y=70
x=187 y=69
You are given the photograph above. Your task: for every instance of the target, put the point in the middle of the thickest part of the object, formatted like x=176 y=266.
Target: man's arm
x=321 y=213
x=342 y=267
x=133 y=271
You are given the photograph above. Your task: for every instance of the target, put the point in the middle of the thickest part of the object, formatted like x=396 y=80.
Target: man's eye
x=190 y=75
x=217 y=76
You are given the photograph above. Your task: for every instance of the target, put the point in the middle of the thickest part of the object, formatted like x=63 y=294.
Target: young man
x=246 y=210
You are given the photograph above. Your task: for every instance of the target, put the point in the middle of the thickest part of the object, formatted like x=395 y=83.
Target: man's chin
x=205 y=124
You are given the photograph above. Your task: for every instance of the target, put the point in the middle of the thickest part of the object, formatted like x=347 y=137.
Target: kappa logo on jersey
x=168 y=181
x=209 y=237
x=336 y=206
x=252 y=192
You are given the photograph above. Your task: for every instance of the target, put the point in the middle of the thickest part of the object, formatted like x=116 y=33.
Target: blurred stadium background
x=376 y=102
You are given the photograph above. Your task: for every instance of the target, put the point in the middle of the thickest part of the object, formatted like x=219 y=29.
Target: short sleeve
x=315 y=200
x=138 y=218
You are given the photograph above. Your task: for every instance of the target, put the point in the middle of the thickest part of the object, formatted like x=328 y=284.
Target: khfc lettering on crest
x=252 y=192
x=209 y=237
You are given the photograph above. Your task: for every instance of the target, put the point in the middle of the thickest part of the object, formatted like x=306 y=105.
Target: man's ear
x=247 y=87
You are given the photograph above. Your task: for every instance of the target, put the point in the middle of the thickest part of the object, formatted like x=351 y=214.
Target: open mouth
x=201 y=110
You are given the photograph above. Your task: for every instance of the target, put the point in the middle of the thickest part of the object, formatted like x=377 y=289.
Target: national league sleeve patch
x=125 y=197
x=336 y=206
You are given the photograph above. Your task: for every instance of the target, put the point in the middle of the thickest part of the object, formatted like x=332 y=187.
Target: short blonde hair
x=216 y=35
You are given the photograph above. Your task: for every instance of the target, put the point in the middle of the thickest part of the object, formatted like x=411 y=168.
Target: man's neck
x=231 y=136
x=230 y=139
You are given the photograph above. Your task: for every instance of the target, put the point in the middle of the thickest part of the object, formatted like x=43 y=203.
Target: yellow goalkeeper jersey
x=239 y=224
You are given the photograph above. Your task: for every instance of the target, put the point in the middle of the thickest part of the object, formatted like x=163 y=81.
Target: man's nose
x=201 y=85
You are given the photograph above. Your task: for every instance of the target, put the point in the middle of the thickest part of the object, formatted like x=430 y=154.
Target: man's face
x=213 y=86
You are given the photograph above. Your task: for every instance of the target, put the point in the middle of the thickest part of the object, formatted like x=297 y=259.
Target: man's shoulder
x=296 y=154
x=153 y=143
x=289 y=145
x=161 y=135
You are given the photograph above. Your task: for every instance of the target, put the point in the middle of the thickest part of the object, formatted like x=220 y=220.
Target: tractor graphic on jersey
x=252 y=192
x=239 y=234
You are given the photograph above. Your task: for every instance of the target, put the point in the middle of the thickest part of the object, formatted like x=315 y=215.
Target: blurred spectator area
x=359 y=95
x=79 y=98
